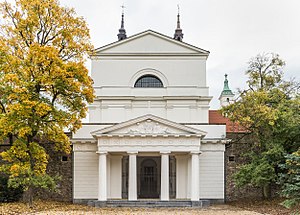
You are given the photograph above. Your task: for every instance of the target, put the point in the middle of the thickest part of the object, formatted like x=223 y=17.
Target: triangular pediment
x=150 y=42
x=148 y=125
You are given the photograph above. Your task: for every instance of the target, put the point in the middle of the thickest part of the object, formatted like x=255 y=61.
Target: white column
x=132 y=185
x=164 y=182
x=195 y=176
x=102 y=186
x=181 y=177
x=115 y=177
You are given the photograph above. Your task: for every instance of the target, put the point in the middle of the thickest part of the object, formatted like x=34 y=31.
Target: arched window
x=148 y=81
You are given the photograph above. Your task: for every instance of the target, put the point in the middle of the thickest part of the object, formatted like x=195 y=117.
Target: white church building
x=148 y=136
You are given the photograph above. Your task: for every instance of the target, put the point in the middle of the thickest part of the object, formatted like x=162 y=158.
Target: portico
x=157 y=185
x=149 y=144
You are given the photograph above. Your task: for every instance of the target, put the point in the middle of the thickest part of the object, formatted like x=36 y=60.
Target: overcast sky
x=232 y=30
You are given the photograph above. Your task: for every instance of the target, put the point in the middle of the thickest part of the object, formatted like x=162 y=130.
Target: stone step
x=150 y=203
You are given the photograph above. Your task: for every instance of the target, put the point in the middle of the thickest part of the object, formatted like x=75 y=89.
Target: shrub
x=8 y=194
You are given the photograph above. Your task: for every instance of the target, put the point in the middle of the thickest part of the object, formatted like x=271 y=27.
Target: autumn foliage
x=44 y=85
x=269 y=110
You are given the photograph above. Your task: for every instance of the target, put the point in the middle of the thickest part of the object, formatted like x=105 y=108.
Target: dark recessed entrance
x=148 y=177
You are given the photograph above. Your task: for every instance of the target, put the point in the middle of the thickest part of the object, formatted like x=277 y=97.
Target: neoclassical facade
x=148 y=136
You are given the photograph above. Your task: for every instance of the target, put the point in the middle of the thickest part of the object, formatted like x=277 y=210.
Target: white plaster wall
x=179 y=71
x=213 y=131
x=85 y=175
x=212 y=175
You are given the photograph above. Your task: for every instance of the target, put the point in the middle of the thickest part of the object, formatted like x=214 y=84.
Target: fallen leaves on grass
x=57 y=208
x=272 y=207
x=38 y=206
x=67 y=208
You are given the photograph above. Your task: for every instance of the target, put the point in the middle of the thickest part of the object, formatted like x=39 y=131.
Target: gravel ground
x=213 y=210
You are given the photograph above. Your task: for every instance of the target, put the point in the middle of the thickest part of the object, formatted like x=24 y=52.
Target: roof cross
x=123 y=7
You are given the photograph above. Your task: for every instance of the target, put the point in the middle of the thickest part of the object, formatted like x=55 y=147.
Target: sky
x=232 y=30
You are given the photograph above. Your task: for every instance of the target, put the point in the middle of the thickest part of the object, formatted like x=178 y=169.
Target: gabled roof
x=155 y=34
x=161 y=127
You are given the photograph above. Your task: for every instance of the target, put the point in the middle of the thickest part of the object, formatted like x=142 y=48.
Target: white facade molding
x=216 y=141
x=82 y=140
x=149 y=144
x=85 y=147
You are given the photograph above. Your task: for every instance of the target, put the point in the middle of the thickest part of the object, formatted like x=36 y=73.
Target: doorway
x=149 y=177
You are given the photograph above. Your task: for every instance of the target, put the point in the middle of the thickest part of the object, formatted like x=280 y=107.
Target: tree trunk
x=266 y=191
x=28 y=197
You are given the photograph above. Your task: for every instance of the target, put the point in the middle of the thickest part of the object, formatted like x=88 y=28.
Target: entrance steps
x=149 y=203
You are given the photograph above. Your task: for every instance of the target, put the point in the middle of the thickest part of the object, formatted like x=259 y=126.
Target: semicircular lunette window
x=149 y=81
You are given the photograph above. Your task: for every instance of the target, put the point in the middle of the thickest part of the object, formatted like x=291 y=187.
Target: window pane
x=148 y=81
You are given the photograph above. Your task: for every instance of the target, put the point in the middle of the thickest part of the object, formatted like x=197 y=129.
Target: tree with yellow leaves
x=44 y=86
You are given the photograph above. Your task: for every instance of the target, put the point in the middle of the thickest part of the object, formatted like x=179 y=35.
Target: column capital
x=101 y=152
x=195 y=152
x=132 y=152
x=165 y=152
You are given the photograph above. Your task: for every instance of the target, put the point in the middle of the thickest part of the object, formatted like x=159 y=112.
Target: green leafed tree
x=290 y=179
x=269 y=111
x=44 y=86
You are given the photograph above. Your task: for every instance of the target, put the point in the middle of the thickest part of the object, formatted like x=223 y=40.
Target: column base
x=164 y=200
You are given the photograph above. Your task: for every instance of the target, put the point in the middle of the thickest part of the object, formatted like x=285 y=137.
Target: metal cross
x=123 y=8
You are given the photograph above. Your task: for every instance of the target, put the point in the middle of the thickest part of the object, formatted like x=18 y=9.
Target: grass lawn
x=234 y=208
